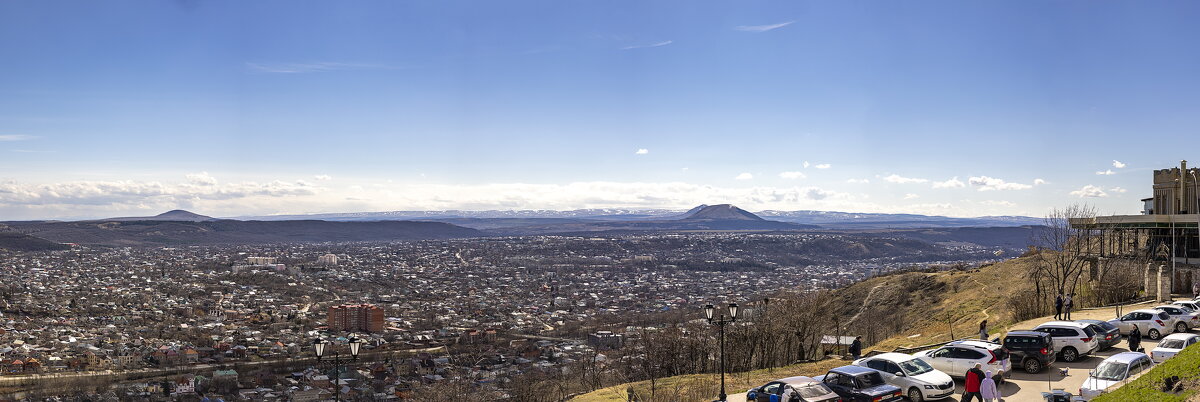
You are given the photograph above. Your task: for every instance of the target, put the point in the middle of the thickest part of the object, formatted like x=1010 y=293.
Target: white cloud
x=823 y=166
x=1038 y=182
x=858 y=181
x=954 y=182
x=911 y=196
x=806 y=164
x=1090 y=191
x=642 y=151
x=1108 y=172
x=986 y=183
x=322 y=177
x=1117 y=190
x=793 y=175
x=16 y=137
x=903 y=180
x=744 y=176
x=655 y=44
x=762 y=28
x=201 y=179
x=1117 y=164
x=998 y=203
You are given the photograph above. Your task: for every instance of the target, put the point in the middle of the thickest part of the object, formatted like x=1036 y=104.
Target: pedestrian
x=1068 y=304
x=973 y=381
x=987 y=388
x=983 y=330
x=1058 y=305
x=1135 y=339
x=856 y=347
x=1196 y=289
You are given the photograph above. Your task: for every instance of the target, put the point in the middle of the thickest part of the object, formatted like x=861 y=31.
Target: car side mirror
x=899 y=374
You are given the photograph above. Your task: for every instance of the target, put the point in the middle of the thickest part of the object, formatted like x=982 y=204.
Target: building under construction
x=1165 y=234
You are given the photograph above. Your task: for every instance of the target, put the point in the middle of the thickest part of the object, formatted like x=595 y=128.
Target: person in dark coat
x=973 y=383
x=856 y=347
x=1135 y=339
x=1058 y=305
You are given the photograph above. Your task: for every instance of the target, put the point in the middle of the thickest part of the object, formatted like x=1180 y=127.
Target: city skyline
x=938 y=108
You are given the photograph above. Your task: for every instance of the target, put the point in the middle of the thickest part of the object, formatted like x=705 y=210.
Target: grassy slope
x=922 y=299
x=1148 y=387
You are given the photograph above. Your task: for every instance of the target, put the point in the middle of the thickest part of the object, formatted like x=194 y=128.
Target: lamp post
x=720 y=321
x=319 y=348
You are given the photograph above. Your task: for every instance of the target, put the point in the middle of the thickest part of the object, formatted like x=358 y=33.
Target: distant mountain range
x=180 y=227
x=828 y=219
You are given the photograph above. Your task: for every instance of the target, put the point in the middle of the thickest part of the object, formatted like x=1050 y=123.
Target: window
x=772 y=388
x=877 y=365
x=891 y=368
x=1129 y=317
x=1163 y=316
x=832 y=378
x=1192 y=340
x=1089 y=331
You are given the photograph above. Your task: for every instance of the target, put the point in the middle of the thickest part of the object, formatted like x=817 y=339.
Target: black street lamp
x=720 y=321
x=319 y=347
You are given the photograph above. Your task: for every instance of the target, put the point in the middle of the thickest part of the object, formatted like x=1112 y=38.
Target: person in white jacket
x=987 y=388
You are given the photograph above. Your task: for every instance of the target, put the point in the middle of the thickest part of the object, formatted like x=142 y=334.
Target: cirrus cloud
x=986 y=183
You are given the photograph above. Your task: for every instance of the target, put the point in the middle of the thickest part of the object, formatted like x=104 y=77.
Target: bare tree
x=1065 y=251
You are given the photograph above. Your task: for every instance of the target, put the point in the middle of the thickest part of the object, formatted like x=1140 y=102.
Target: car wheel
x=1181 y=327
x=1153 y=334
x=1069 y=354
x=1032 y=366
x=914 y=395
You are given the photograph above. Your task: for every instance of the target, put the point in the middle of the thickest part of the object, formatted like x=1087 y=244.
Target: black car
x=860 y=384
x=1109 y=334
x=1032 y=351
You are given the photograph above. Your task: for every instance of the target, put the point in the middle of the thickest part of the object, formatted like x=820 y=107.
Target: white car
x=1071 y=339
x=1182 y=319
x=915 y=377
x=1113 y=370
x=1172 y=344
x=955 y=358
x=1190 y=305
x=1151 y=323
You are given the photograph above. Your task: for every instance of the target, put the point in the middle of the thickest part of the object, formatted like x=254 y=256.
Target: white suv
x=918 y=380
x=1071 y=339
x=1182 y=318
x=1151 y=323
x=955 y=358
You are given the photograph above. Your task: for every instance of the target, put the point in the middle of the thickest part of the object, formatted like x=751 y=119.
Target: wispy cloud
x=16 y=137
x=642 y=151
x=1108 y=172
x=314 y=67
x=986 y=183
x=858 y=181
x=793 y=175
x=1117 y=164
x=823 y=166
x=1090 y=191
x=744 y=176
x=656 y=44
x=911 y=196
x=954 y=182
x=895 y=178
x=762 y=28
x=1038 y=182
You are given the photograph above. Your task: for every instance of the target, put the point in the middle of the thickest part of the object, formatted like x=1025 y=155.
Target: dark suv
x=860 y=384
x=1030 y=350
x=1109 y=334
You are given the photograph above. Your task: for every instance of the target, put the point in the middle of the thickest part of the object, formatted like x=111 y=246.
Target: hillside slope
x=160 y=233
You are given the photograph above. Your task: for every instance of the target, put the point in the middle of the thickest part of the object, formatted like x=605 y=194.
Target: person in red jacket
x=974 y=379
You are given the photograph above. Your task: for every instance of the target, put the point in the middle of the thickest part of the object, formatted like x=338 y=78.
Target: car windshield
x=915 y=367
x=1110 y=371
x=813 y=390
x=871 y=379
x=1171 y=344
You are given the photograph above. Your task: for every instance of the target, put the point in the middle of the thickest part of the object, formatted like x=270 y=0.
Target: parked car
x=1032 y=351
x=1152 y=323
x=1191 y=305
x=955 y=358
x=1182 y=319
x=1114 y=369
x=1111 y=334
x=1172 y=344
x=792 y=389
x=1072 y=340
x=917 y=379
x=860 y=384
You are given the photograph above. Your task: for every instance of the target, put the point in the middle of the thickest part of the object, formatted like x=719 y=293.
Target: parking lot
x=1024 y=387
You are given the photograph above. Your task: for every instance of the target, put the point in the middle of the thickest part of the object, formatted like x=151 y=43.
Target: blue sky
x=231 y=108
